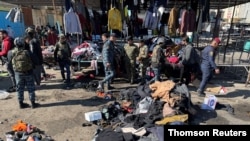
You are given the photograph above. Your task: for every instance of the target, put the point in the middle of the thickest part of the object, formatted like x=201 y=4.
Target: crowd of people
x=23 y=60
x=187 y=60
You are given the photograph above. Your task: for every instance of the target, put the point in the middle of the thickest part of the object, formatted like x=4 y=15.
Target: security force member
x=208 y=65
x=131 y=52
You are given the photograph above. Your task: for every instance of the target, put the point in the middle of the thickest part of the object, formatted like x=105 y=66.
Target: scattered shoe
x=86 y=124
x=100 y=86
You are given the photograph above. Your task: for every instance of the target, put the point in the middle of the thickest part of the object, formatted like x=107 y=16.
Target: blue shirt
x=208 y=58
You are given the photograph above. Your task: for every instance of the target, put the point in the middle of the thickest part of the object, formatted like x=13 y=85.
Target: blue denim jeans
x=207 y=74
x=27 y=80
x=66 y=65
x=157 y=75
x=109 y=74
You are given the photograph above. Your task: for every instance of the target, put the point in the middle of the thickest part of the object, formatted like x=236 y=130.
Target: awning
x=96 y=3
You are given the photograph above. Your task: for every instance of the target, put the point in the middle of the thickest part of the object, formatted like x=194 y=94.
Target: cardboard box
x=93 y=116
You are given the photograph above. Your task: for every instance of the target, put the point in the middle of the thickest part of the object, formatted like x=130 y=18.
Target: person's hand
x=137 y=59
x=217 y=71
x=107 y=64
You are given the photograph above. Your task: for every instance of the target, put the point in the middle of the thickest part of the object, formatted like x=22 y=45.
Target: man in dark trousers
x=23 y=65
x=188 y=60
x=62 y=55
x=35 y=49
x=208 y=66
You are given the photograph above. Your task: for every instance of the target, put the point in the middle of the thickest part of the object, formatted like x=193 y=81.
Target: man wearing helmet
x=23 y=65
x=35 y=49
x=157 y=59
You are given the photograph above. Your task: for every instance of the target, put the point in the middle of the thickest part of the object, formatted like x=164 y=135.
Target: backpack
x=22 y=61
x=194 y=57
x=154 y=54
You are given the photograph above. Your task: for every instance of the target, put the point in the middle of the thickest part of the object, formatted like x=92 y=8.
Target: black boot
x=23 y=105
x=33 y=104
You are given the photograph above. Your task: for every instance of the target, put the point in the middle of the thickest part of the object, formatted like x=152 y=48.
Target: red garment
x=84 y=23
x=6 y=46
x=52 y=39
x=188 y=21
x=173 y=59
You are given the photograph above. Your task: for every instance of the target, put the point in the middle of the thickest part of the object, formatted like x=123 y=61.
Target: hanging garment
x=18 y=16
x=173 y=16
x=72 y=23
x=205 y=10
x=114 y=19
x=160 y=11
x=188 y=22
x=151 y=18
x=11 y=14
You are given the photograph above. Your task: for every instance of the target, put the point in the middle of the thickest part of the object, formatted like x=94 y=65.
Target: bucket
x=247 y=46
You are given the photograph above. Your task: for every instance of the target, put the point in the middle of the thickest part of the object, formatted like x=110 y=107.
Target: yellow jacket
x=114 y=19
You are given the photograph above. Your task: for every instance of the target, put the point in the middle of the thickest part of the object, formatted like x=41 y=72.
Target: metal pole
x=218 y=17
x=62 y=14
x=228 y=37
x=54 y=7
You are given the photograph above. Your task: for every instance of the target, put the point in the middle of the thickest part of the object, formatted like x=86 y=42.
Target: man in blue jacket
x=208 y=66
x=108 y=60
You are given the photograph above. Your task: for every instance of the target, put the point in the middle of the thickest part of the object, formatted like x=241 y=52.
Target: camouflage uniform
x=144 y=60
x=132 y=52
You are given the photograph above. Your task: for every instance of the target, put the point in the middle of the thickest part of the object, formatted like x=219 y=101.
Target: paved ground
x=62 y=111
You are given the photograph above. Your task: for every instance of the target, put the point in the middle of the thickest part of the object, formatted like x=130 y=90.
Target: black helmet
x=19 y=42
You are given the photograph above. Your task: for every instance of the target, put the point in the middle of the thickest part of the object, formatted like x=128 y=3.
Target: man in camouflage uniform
x=157 y=60
x=131 y=52
x=62 y=55
x=143 y=58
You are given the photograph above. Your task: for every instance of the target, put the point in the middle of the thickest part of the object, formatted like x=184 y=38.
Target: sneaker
x=100 y=86
x=12 y=89
x=201 y=94
x=23 y=105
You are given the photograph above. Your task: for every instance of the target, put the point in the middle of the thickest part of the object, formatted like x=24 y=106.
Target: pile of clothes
x=86 y=51
x=142 y=112
x=23 y=131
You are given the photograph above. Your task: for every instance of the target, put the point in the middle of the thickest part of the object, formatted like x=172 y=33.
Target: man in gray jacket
x=188 y=61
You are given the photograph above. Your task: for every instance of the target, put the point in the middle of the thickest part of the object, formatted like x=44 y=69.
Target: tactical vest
x=130 y=51
x=63 y=51
x=154 y=54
